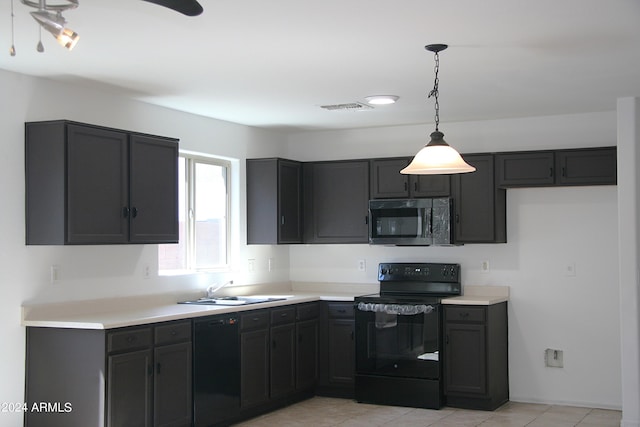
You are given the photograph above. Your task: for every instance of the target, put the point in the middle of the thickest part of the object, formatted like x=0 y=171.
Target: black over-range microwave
x=411 y=222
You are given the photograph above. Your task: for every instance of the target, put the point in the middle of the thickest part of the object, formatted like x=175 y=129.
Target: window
x=203 y=217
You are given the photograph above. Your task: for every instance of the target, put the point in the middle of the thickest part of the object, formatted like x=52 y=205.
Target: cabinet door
x=254 y=367
x=154 y=190
x=587 y=167
x=290 y=202
x=386 y=180
x=480 y=207
x=430 y=185
x=529 y=169
x=129 y=389
x=172 y=402
x=306 y=354
x=283 y=367
x=338 y=202
x=466 y=370
x=341 y=351
x=97 y=185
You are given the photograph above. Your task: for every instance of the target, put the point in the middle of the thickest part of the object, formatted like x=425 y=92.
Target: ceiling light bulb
x=382 y=99
x=68 y=38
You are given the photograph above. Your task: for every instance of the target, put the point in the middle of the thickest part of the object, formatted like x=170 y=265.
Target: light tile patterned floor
x=325 y=412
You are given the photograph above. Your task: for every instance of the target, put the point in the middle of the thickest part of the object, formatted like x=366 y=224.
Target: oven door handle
x=399 y=309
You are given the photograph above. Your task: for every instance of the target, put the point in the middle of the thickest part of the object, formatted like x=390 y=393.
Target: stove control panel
x=419 y=272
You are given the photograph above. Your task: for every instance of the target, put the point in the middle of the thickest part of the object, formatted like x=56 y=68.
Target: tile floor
x=324 y=411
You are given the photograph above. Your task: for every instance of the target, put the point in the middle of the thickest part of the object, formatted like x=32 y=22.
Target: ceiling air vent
x=352 y=106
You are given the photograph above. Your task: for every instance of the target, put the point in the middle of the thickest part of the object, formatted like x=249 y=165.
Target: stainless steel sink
x=232 y=300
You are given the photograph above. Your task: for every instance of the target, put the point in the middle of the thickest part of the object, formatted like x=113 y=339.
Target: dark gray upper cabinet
x=274 y=201
x=480 y=207
x=527 y=169
x=93 y=185
x=596 y=166
x=336 y=202
x=585 y=166
x=387 y=182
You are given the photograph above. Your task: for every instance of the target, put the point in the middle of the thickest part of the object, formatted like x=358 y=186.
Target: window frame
x=191 y=160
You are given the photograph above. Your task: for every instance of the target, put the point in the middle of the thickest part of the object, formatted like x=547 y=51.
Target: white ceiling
x=272 y=63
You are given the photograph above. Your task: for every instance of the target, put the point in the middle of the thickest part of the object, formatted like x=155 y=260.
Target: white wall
x=103 y=271
x=548 y=229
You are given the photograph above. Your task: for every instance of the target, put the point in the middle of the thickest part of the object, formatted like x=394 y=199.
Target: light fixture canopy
x=437 y=157
x=382 y=99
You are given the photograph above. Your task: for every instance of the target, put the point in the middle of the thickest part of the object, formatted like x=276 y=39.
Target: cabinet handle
x=415 y=186
x=351 y=335
x=564 y=174
x=125 y=212
x=446 y=339
x=282 y=220
x=550 y=172
x=366 y=219
x=134 y=212
x=457 y=218
x=284 y=314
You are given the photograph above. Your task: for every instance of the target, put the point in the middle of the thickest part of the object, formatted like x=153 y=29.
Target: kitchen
x=548 y=230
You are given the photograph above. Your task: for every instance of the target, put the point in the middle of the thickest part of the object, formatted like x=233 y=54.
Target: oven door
x=399 y=340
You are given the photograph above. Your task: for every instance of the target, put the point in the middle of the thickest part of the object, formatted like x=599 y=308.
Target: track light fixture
x=49 y=16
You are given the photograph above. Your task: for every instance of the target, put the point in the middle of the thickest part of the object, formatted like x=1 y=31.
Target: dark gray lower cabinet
x=337 y=350
x=254 y=358
x=125 y=377
x=476 y=359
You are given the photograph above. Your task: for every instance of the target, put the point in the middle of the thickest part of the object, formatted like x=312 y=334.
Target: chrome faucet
x=211 y=290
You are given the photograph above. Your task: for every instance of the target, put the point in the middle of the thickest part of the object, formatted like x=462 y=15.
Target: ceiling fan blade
x=186 y=7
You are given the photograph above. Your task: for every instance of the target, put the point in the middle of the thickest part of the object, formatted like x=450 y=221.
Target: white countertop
x=120 y=312
x=139 y=310
x=480 y=295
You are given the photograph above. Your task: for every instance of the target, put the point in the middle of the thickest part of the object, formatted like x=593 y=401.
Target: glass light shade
x=437 y=158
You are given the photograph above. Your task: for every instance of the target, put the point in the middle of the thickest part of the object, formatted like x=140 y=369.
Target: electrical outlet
x=146 y=271
x=362 y=265
x=484 y=266
x=270 y=264
x=570 y=269
x=251 y=265
x=54 y=273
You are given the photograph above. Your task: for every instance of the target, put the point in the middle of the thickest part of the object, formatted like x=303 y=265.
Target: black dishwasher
x=216 y=370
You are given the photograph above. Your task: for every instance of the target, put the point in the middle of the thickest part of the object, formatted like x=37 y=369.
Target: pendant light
x=437 y=157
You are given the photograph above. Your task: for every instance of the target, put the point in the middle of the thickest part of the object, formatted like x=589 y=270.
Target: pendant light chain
x=434 y=92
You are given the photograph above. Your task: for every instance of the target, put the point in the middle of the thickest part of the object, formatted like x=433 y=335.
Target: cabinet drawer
x=129 y=339
x=307 y=311
x=341 y=310
x=258 y=319
x=465 y=314
x=173 y=332
x=281 y=316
